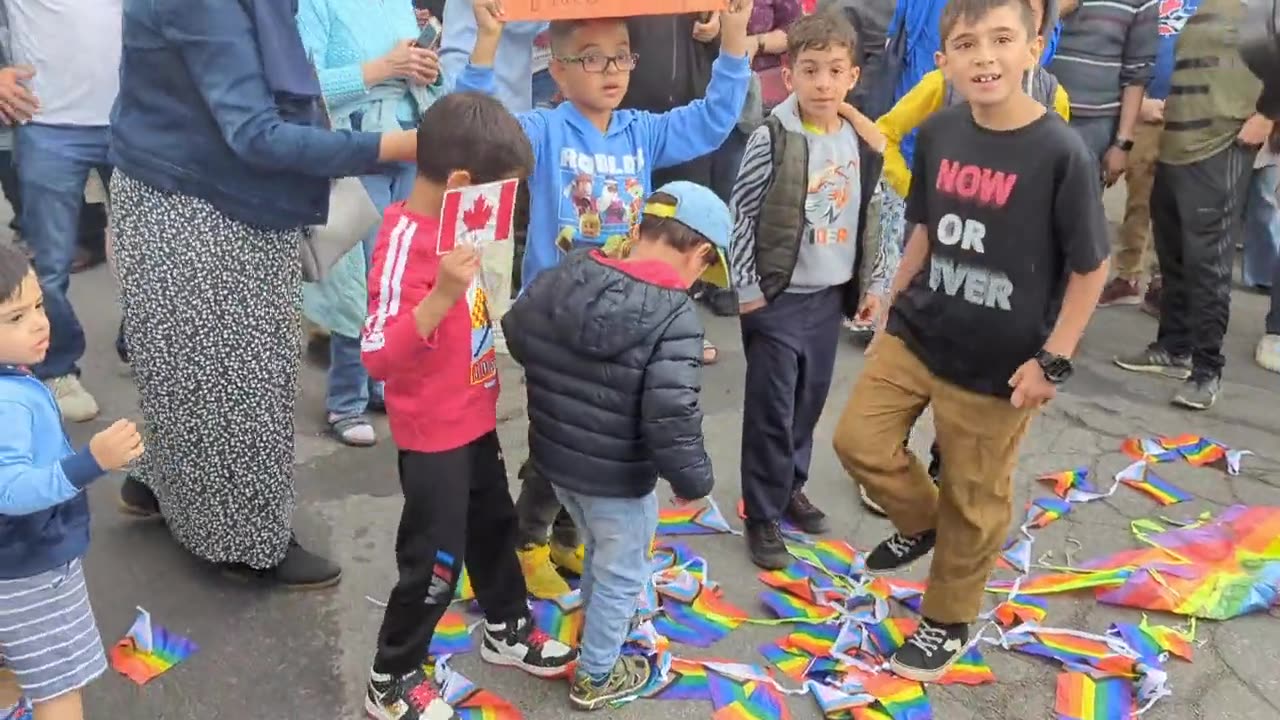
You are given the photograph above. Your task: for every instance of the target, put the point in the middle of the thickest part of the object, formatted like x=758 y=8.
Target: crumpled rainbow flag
x=1081 y=697
x=1073 y=485
x=468 y=701
x=148 y=651
x=1140 y=476
x=700 y=518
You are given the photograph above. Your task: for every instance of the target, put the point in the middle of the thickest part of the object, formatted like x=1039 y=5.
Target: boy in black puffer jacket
x=612 y=352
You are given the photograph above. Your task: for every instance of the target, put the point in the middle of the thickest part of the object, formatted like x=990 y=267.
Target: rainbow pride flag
x=701 y=518
x=1044 y=510
x=1082 y=654
x=900 y=699
x=970 y=669
x=734 y=699
x=452 y=636
x=786 y=606
x=148 y=651
x=685 y=680
x=1073 y=485
x=1020 y=609
x=1194 y=449
x=1081 y=697
x=1148 y=449
x=793 y=665
x=701 y=623
x=470 y=702
x=561 y=618
x=1140 y=476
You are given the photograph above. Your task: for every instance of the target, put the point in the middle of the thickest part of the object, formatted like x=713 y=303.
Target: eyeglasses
x=597 y=63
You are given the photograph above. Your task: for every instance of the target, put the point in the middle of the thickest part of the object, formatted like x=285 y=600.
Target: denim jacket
x=195 y=117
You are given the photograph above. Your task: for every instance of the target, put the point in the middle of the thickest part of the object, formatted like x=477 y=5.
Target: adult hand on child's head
x=117 y=446
x=410 y=62
x=489 y=17
x=17 y=103
x=1031 y=388
x=707 y=31
x=457 y=271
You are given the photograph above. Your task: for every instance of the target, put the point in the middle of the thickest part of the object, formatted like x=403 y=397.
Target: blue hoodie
x=587 y=187
x=44 y=515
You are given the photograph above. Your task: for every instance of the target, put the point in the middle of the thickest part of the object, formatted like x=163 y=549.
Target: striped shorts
x=48 y=637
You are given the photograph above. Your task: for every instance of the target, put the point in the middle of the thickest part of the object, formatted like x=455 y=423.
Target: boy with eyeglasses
x=593 y=165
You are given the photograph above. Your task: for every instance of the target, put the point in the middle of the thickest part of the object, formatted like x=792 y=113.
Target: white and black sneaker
x=930 y=651
x=415 y=696
x=899 y=551
x=519 y=644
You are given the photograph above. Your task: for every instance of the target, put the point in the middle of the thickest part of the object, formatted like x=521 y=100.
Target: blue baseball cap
x=700 y=210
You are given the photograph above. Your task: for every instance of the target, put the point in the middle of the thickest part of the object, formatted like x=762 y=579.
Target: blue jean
x=544 y=89
x=1273 y=317
x=53 y=166
x=349 y=384
x=617 y=533
x=1261 y=227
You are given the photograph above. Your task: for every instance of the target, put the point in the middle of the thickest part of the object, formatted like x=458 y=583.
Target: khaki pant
x=972 y=505
x=1133 y=242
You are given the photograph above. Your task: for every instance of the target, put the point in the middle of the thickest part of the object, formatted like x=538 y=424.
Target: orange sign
x=576 y=9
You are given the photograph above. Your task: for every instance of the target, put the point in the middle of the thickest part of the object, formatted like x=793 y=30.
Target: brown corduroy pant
x=971 y=506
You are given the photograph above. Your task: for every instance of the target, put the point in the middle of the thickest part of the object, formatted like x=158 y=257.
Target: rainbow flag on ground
x=1073 y=485
x=701 y=623
x=702 y=518
x=900 y=699
x=561 y=618
x=148 y=651
x=1140 y=476
x=1020 y=609
x=452 y=636
x=734 y=699
x=685 y=680
x=1044 y=510
x=1080 y=697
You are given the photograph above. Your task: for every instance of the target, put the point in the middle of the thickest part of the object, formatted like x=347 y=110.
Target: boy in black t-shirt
x=999 y=278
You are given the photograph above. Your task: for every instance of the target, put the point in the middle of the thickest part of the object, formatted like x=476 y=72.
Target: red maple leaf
x=477 y=216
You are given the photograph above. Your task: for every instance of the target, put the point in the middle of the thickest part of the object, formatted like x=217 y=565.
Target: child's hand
x=117 y=446
x=457 y=271
x=706 y=30
x=733 y=24
x=489 y=18
x=750 y=307
x=1031 y=388
x=869 y=310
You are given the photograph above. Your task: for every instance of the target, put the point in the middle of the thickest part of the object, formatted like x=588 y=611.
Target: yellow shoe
x=568 y=559
x=540 y=576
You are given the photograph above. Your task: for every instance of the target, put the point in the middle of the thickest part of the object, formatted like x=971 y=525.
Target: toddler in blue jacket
x=48 y=638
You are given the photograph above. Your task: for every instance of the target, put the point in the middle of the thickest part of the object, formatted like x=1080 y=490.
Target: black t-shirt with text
x=1010 y=214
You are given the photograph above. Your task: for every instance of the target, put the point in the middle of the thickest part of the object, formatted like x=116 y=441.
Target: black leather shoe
x=765 y=544
x=137 y=499
x=300 y=570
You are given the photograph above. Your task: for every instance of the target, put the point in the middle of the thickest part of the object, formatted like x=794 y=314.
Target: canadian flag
x=477 y=215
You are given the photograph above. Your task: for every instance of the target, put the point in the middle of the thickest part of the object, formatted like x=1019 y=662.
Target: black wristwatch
x=1125 y=145
x=1057 y=368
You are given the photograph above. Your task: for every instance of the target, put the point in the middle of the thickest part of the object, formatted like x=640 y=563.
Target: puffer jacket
x=612 y=353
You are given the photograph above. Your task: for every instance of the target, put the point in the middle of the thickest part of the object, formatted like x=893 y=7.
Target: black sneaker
x=630 y=675
x=518 y=643
x=415 y=696
x=765 y=544
x=900 y=551
x=805 y=514
x=930 y=651
x=300 y=570
x=1199 y=392
x=1157 y=361
x=137 y=499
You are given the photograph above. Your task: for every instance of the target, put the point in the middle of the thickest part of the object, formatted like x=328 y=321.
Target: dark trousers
x=538 y=509
x=1197 y=216
x=790 y=345
x=456 y=509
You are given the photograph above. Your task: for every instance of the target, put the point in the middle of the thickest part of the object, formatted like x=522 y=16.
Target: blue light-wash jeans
x=1261 y=228
x=350 y=387
x=617 y=533
x=53 y=166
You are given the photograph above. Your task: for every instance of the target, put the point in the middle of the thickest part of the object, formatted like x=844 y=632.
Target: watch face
x=1058 y=370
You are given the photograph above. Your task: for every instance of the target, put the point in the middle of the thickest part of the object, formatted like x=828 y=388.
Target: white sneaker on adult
x=75 y=403
x=1268 y=354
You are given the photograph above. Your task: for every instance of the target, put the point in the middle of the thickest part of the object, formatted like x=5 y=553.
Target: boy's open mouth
x=985 y=78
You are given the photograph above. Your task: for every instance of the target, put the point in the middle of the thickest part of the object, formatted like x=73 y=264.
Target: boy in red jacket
x=418 y=340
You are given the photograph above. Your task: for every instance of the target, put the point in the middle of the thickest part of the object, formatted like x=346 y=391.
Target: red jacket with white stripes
x=441 y=390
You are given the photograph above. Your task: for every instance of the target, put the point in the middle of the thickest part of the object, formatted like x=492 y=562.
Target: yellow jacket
x=914 y=108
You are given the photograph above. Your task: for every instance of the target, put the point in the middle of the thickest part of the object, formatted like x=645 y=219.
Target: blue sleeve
x=1051 y=44
x=339 y=84
x=216 y=40
x=701 y=127
x=26 y=488
x=459 y=38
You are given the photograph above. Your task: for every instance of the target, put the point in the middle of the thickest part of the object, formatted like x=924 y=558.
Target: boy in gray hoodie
x=799 y=210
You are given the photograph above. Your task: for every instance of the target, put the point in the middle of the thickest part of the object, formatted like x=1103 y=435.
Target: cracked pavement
x=305 y=655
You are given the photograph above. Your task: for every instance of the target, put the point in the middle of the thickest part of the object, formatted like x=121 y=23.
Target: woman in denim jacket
x=221 y=161
x=374 y=79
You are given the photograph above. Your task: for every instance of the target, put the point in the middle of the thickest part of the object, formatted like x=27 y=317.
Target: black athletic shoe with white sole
x=519 y=644
x=930 y=651
x=415 y=696
x=899 y=551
